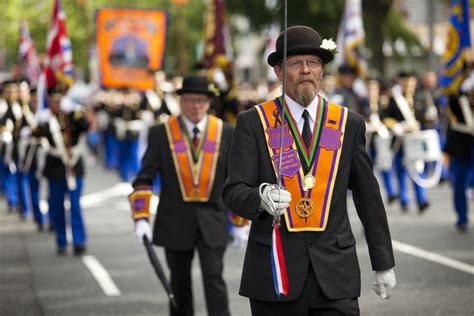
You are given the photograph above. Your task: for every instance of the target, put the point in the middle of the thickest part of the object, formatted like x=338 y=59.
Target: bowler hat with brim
x=301 y=40
x=195 y=84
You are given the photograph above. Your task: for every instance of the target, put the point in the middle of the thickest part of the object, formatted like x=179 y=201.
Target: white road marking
x=434 y=257
x=94 y=199
x=101 y=275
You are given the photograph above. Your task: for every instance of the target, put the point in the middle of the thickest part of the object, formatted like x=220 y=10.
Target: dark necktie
x=195 y=136
x=306 y=129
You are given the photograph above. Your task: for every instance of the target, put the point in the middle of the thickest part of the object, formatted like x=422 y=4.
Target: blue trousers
x=128 y=159
x=23 y=194
x=34 y=186
x=462 y=176
x=57 y=194
x=402 y=184
x=387 y=176
x=11 y=188
x=111 y=150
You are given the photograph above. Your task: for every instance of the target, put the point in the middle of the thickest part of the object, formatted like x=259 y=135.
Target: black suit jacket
x=457 y=143
x=331 y=253
x=177 y=223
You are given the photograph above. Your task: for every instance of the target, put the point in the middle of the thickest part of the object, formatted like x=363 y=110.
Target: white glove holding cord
x=384 y=283
x=142 y=228
x=274 y=199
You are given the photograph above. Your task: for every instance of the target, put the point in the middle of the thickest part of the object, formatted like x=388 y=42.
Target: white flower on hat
x=329 y=45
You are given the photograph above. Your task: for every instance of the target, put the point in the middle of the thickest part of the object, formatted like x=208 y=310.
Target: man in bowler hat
x=323 y=156
x=190 y=153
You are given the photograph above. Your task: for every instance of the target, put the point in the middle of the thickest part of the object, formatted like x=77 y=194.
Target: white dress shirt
x=297 y=110
x=201 y=125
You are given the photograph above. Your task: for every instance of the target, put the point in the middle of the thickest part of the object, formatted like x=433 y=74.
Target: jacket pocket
x=266 y=240
x=345 y=240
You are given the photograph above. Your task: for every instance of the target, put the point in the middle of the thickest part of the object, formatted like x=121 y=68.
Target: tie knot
x=305 y=114
x=195 y=130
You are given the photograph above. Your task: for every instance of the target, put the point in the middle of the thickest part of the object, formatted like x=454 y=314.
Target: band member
x=314 y=269
x=65 y=128
x=379 y=137
x=402 y=118
x=460 y=147
x=190 y=152
x=10 y=123
x=128 y=126
x=30 y=147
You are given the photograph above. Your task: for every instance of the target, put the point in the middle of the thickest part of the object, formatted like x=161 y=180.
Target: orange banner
x=130 y=45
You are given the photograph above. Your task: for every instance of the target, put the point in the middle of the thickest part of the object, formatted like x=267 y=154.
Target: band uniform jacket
x=458 y=142
x=177 y=223
x=332 y=253
x=54 y=168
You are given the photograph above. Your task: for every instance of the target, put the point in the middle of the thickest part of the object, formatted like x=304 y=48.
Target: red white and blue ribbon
x=280 y=277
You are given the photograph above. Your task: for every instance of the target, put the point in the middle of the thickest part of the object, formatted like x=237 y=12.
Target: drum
x=423 y=157
x=422 y=145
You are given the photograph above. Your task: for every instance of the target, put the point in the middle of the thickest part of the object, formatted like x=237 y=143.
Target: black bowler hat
x=196 y=84
x=301 y=40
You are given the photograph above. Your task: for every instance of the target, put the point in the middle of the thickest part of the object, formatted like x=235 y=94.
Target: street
x=434 y=263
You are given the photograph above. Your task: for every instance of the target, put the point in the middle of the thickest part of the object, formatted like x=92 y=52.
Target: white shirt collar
x=297 y=110
x=190 y=125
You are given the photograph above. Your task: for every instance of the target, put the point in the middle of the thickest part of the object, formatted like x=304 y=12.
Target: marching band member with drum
x=460 y=146
x=402 y=117
x=379 y=136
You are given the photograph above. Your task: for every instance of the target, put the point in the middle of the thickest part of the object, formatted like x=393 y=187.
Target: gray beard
x=306 y=97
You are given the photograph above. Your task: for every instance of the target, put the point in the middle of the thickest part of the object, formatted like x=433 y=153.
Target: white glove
x=398 y=129
x=274 y=198
x=240 y=236
x=384 y=282
x=142 y=229
x=67 y=105
x=43 y=116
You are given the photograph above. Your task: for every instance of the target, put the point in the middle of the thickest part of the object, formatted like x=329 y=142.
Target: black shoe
x=422 y=207
x=61 y=251
x=40 y=227
x=392 y=199
x=79 y=249
x=461 y=228
x=404 y=208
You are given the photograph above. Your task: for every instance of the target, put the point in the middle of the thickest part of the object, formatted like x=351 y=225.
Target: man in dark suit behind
x=190 y=153
x=324 y=155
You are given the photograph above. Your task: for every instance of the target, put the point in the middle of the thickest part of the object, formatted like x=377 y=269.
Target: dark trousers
x=215 y=290
x=311 y=302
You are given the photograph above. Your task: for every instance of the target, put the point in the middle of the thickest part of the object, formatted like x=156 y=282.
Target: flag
x=58 y=61
x=27 y=57
x=458 y=42
x=270 y=47
x=351 y=37
x=216 y=34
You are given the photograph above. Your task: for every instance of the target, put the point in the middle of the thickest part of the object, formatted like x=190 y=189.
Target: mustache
x=312 y=80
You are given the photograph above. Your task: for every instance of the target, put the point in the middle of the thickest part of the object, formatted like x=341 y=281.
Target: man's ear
x=278 y=71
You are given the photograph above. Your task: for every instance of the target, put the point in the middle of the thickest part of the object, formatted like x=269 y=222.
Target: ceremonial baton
x=283 y=106
x=159 y=271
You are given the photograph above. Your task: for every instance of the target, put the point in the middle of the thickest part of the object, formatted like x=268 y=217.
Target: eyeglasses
x=191 y=100
x=298 y=63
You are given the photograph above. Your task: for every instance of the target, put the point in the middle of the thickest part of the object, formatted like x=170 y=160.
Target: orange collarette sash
x=311 y=193
x=195 y=176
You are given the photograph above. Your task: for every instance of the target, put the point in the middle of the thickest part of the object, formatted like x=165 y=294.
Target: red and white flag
x=58 y=61
x=27 y=57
